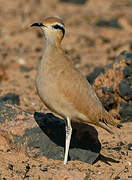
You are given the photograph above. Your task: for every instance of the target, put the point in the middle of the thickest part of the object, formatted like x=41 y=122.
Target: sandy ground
x=89 y=45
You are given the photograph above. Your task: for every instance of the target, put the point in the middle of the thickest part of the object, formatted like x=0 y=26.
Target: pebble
x=130 y=147
x=21 y=61
x=10 y=166
x=129 y=163
x=117 y=178
x=33 y=103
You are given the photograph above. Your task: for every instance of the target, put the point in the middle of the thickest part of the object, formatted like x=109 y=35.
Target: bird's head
x=53 y=28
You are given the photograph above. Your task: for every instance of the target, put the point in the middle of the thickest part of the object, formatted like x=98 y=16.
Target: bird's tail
x=106 y=120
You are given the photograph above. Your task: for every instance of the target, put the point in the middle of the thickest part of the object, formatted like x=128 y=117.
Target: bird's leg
x=68 y=138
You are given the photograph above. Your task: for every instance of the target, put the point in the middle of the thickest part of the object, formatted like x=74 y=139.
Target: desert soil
x=89 y=44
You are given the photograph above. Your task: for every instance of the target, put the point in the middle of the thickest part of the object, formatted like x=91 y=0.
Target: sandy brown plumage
x=63 y=88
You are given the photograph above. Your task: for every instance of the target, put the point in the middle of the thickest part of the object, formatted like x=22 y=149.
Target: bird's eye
x=57 y=26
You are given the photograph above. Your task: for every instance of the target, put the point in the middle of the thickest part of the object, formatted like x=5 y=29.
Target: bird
x=63 y=88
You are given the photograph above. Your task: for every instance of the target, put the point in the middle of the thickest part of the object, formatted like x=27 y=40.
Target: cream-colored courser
x=62 y=88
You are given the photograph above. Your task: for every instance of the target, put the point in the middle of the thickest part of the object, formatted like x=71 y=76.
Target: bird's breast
x=47 y=84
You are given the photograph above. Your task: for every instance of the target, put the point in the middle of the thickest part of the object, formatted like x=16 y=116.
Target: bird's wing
x=77 y=90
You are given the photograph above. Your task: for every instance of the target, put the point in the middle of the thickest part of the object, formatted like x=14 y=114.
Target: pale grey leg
x=68 y=138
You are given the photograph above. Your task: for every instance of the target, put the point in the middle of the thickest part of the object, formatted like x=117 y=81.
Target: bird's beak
x=38 y=24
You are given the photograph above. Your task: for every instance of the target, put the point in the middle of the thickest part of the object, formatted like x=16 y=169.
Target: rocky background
x=99 y=42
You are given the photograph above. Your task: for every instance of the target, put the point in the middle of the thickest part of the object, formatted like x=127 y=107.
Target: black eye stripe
x=59 y=27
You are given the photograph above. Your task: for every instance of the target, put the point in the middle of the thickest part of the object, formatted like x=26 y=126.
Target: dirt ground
x=96 y=32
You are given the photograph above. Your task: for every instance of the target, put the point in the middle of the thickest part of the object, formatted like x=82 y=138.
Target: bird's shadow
x=83 y=136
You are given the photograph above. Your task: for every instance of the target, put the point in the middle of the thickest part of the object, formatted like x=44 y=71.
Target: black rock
x=125 y=90
x=126 y=111
x=118 y=148
x=11 y=98
x=96 y=72
x=110 y=103
x=109 y=98
x=74 y=1
x=25 y=69
x=107 y=90
x=38 y=49
x=117 y=178
x=10 y=113
x=128 y=55
x=28 y=167
x=10 y=166
x=113 y=23
x=130 y=147
x=127 y=72
x=6 y=112
x=44 y=169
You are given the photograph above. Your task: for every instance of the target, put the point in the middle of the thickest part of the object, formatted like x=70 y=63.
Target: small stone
x=126 y=169
x=21 y=61
x=33 y=103
x=120 y=143
x=130 y=147
x=8 y=150
x=38 y=49
x=117 y=178
x=117 y=148
x=10 y=166
x=123 y=153
x=27 y=167
x=11 y=98
x=44 y=169
x=105 y=142
x=25 y=69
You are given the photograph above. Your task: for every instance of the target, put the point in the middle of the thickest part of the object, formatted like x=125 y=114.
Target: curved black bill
x=37 y=24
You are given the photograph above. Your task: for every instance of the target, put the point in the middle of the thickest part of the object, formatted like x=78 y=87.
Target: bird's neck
x=50 y=53
x=50 y=47
x=53 y=41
